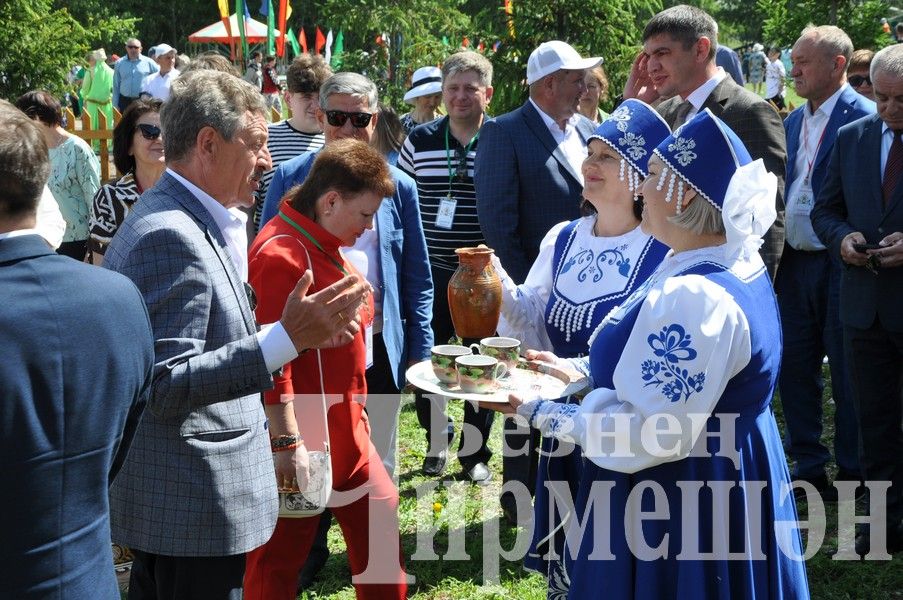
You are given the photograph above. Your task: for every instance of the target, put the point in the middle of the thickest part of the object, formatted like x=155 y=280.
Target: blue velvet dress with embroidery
x=698 y=339
x=589 y=275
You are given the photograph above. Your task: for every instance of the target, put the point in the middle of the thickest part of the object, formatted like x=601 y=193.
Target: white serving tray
x=530 y=380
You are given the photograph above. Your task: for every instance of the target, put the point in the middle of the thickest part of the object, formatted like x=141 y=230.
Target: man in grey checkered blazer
x=678 y=63
x=198 y=489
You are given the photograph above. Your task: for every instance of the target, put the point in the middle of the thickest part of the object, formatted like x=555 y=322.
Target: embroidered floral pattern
x=565 y=414
x=559 y=582
x=634 y=144
x=672 y=345
x=620 y=117
x=683 y=149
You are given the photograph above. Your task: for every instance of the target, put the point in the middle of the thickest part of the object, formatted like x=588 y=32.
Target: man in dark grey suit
x=527 y=178
x=76 y=355
x=198 y=490
x=858 y=215
x=678 y=63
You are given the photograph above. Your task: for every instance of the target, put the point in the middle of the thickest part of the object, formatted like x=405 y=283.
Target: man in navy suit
x=808 y=278
x=861 y=202
x=527 y=177
x=76 y=359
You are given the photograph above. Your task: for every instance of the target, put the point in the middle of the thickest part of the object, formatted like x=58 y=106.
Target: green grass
x=444 y=579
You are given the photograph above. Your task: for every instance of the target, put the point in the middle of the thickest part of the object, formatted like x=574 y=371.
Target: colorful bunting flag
x=293 y=42
x=319 y=41
x=328 y=55
x=284 y=11
x=240 y=9
x=271 y=29
x=224 y=15
x=336 y=62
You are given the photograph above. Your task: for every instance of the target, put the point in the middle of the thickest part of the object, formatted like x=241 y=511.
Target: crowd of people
x=254 y=293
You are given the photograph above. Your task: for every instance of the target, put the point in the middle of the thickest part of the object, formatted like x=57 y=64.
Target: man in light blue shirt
x=129 y=74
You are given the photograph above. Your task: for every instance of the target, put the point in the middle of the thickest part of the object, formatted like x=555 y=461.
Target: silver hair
x=468 y=60
x=205 y=98
x=700 y=218
x=889 y=61
x=353 y=84
x=831 y=40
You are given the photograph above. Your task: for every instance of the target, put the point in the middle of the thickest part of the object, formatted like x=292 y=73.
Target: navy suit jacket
x=850 y=200
x=76 y=361
x=524 y=185
x=407 y=293
x=850 y=106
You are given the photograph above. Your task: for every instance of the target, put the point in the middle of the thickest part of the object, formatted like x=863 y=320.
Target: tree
x=860 y=19
x=39 y=44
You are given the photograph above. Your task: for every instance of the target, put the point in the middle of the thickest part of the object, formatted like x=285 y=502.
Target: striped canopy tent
x=255 y=32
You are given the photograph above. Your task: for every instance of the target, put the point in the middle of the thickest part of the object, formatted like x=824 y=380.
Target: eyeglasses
x=149 y=132
x=134 y=47
x=337 y=118
x=857 y=80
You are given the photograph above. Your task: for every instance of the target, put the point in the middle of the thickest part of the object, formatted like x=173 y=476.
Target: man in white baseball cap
x=157 y=85
x=527 y=177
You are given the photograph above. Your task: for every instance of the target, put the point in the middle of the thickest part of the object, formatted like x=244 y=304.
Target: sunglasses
x=149 y=132
x=134 y=47
x=337 y=118
x=857 y=80
x=461 y=169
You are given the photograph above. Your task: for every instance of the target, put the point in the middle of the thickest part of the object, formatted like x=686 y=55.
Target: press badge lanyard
x=811 y=161
x=445 y=216
x=304 y=232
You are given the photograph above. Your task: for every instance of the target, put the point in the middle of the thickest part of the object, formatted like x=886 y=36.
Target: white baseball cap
x=162 y=49
x=553 y=56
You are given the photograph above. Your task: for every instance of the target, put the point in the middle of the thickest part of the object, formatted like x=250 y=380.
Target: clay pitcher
x=475 y=294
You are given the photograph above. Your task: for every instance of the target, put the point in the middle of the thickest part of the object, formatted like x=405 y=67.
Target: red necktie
x=893 y=168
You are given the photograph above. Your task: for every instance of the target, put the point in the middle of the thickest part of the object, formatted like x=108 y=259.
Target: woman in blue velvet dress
x=584 y=269
x=685 y=490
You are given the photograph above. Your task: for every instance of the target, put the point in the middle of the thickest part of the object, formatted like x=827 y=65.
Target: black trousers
x=161 y=577
x=76 y=249
x=430 y=414
x=875 y=357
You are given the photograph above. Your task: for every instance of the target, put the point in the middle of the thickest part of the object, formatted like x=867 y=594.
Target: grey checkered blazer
x=199 y=480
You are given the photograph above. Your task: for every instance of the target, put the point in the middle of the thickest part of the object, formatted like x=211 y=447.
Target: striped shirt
x=424 y=157
x=284 y=143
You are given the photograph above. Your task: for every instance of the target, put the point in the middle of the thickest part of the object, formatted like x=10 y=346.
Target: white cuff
x=276 y=346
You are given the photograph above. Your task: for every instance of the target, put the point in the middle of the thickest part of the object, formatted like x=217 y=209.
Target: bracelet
x=286 y=448
x=282 y=442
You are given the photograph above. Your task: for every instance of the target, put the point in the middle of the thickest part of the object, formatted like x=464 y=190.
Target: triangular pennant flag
x=224 y=15
x=271 y=29
x=240 y=9
x=319 y=41
x=284 y=10
x=328 y=55
x=465 y=42
x=302 y=39
x=336 y=62
x=293 y=42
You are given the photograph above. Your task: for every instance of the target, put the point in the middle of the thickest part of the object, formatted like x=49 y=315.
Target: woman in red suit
x=332 y=208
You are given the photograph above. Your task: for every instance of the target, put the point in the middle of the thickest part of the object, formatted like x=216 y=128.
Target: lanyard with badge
x=805 y=197
x=368 y=331
x=445 y=217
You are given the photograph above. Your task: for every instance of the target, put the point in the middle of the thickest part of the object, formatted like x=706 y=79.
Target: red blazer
x=276 y=262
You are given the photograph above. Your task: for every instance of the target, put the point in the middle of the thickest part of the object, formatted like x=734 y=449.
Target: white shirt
x=568 y=141
x=50 y=223
x=18 y=233
x=364 y=256
x=275 y=344
x=774 y=78
x=158 y=85
x=799 y=202
x=698 y=96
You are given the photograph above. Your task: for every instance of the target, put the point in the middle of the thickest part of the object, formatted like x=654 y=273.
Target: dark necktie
x=683 y=109
x=893 y=168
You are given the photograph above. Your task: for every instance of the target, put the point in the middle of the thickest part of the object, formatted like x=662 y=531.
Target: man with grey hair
x=198 y=490
x=393 y=258
x=678 y=63
x=808 y=278
x=439 y=155
x=129 y=74
x=858 y=216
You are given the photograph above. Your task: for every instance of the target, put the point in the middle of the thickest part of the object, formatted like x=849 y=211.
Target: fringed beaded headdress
x=703 y=153
x=633 y=131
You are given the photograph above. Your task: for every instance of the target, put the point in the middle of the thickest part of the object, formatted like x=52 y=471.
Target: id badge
x=368 y=338
x=446 y=215
x=805 y=199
